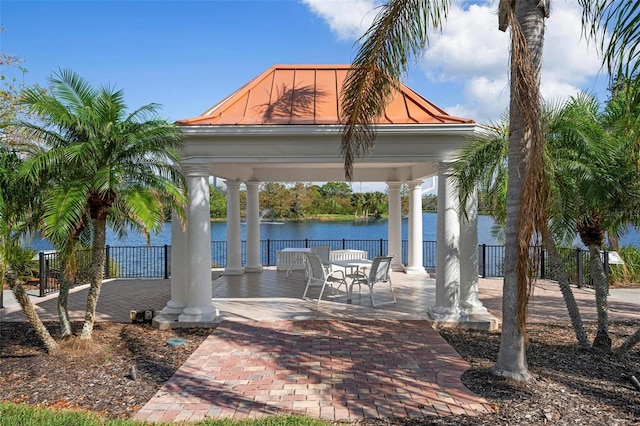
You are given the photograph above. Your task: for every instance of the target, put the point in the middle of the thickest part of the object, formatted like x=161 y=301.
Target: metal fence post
x=107 y=262
x=542 y=267
x=484 y=261
x=606 y=268
x=381 y=252
x=268 y=252
x=166 y=262
x=579 y=267
x=344 y=244
x=43 y=273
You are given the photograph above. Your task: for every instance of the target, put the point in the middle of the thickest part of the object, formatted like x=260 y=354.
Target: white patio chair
x=379 y=273
x=323 y=252
x=317 y=275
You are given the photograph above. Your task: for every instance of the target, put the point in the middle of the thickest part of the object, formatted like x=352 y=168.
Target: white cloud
x=348 y=19
x=472 y=50
x=472 y=53
x=469 y=45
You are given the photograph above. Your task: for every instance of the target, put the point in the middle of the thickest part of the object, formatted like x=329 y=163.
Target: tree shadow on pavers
x=357 y=368
x=598 y=378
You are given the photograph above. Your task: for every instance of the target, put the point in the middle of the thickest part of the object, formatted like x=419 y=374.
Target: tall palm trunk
x=96 y=273
x=563 y=282
x=527 y=35
x=30 y=312
x=602 y=340
x=593 y=236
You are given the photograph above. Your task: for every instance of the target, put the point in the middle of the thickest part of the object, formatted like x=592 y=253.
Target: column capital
x=233 y=183
x=252 y=185
x=195 y=170
x=394 y=185
x=415 y=183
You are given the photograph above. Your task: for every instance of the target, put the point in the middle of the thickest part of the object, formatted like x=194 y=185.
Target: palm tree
x=401 y=30
x=483 y=165
x=18 y=207
x=110 y=166
x=611 y=192
x=593 y=188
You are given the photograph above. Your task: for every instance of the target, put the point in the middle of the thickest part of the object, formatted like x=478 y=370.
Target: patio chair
x=379 y=273
x=323 y=252
x=317 y=275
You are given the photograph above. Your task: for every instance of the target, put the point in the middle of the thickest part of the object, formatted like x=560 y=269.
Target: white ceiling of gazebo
x=312 y=153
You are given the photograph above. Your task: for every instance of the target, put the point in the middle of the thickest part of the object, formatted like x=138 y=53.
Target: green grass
x=26 y=415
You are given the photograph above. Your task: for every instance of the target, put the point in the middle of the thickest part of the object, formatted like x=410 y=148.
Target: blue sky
x=188 y=55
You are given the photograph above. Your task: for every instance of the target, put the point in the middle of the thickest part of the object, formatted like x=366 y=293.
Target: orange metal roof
x=309 y=94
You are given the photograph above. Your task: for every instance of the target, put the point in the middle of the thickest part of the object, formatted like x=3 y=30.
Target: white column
x=447 y=248
x=469 y=300
x=234 y=242
x=394 y=225
x=179 y=271
x=415 y=265
x=253 y=228
x=199 y=307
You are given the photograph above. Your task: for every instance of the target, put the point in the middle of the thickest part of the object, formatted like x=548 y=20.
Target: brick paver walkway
x=336 y=370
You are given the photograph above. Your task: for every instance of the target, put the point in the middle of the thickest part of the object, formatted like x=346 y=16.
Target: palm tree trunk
x=512 y=354
x=63 y=297
x=30 y=312
x=602 y=340
x=563 y=281
x=512 y=360
x=96 y=273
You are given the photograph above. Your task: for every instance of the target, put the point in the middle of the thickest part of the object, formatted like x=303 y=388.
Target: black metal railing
x=138 y=262
x=155 y=261
x=50 y=271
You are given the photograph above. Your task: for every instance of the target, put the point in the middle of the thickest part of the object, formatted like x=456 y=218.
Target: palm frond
x=400 y=31
x=75 y=91
x=64 y=211
x=615 y=25
x=482 y=164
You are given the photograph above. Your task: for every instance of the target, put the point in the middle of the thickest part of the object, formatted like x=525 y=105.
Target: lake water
x=317 y=230
x=308 y=229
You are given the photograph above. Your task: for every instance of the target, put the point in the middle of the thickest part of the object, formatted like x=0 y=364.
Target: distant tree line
x=297 y=201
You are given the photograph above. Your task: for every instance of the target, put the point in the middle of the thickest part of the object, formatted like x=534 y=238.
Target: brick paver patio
x=336 y=370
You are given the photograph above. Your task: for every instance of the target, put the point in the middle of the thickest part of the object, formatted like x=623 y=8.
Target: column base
x=472 y=322
x=445 y=314
x=415 y=270
x=170 y=322
x=233 y=271
x=473 y=308
x=397 y=267
x=169 y=315
x=172 y=309
x=199 y=315
x=258 y=268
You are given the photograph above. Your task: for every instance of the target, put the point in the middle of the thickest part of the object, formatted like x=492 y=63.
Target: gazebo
x=284 y=126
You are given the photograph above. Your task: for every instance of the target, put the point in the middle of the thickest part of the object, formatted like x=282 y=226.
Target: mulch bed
x=570 y=386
